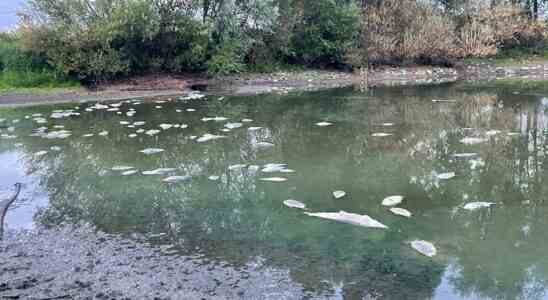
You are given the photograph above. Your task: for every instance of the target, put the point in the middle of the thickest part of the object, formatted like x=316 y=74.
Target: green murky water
x=489 y=253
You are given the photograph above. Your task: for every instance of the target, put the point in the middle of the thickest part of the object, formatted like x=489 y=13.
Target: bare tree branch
x=4 y=205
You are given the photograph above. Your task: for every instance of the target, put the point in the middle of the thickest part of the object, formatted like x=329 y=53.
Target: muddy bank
x=246 y=84
x=489 y=72
x=284 y=82
x=79 y=263
x=279 y=82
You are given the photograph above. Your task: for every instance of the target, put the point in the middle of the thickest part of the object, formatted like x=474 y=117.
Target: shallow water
x=489 y=253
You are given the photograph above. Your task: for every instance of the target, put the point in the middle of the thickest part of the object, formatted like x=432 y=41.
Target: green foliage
x=13 y=58
x=226 y=61
x=108 y=39
x=24 y=69
x=97 y=40
x=327 y=29
x=31 y=79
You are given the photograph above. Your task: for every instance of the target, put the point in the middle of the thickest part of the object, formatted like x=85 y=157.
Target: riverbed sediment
x=79 y=262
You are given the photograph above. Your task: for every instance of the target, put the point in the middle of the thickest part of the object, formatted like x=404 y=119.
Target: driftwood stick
x=4 y=205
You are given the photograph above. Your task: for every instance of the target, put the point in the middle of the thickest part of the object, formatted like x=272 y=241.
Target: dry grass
x=401 y=31
x=407 y=31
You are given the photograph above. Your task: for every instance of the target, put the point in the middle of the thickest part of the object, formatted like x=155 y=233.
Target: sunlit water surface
x=489 y=253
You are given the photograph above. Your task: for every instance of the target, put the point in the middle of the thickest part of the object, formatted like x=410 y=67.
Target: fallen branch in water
x=4 y=205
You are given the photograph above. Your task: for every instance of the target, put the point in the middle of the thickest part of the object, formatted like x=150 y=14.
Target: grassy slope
x=34 y=82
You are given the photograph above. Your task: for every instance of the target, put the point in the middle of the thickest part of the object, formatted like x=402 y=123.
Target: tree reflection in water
x=493 y=253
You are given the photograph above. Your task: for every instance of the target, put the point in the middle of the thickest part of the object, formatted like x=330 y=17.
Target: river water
x=85 y=165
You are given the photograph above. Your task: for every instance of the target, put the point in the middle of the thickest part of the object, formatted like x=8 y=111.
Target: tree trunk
x=364 y=45
x=4 y=205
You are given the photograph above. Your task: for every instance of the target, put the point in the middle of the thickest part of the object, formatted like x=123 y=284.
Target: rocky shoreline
x=245 y=84
x=278 y=82
x=489 y=72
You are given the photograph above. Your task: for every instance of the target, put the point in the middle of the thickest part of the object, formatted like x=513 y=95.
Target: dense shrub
x=95 y=40
x=324 y=34
x=485 y=31
x=226 y=60
x=14 y=58
x=113 y=38
x=428 y=37
x=407 y=32
x=476 y=39
x=416 y=32
x=21 y=68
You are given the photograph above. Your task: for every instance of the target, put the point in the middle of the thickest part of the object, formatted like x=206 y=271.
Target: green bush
x=14 y=58
x=327 y=29
x=96 y=40
x=34 y=79
x=225 y=61
x=24 y=69
x=117 y=38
